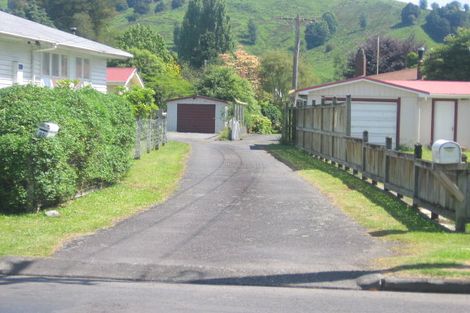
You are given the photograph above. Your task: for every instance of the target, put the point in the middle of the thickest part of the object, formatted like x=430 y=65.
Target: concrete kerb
x=380 y=282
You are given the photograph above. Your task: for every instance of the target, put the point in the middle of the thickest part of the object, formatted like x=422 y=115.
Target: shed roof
x=17 y=27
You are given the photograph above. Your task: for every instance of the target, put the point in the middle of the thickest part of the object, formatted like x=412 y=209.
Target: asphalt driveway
x=239 y=217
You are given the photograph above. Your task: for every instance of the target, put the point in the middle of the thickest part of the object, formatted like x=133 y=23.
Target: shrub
x=260 y=124
x=92 y=147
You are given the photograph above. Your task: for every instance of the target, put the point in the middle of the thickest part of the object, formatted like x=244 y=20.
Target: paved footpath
x=240 y=217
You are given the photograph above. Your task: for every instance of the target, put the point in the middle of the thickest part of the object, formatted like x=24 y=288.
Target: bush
x=92 y=147
x=273 y=113
x=260 y=124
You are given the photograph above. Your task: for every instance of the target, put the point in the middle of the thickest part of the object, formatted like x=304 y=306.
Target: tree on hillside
x=204 y=33
x=160 y=7
x=446 y=20
x=330 y=20
x=423 y=4
x=409 y=14
x=175 y=4
x=143 y=37
x=89 y=15
x=316 y=34
x=276 y=75
x=252 y=31
x=363 y=21
x=30 y=10
x=451 y=61
x=393 y=55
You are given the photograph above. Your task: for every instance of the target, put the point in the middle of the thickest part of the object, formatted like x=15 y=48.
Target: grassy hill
x=383 y=19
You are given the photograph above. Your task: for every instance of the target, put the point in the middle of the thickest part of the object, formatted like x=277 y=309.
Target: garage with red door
x=197 y=114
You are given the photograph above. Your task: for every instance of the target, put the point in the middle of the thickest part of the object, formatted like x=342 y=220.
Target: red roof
x=119 y=74
x=431 y=87
x=434 y=87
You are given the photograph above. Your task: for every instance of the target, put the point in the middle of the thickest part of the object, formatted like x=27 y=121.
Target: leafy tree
x=142 y=101
x=435 y=6
x=363 y=21
x=141 y=7
x=330 y=20
x=409 y=14
x=446 y=20
x=160 y=7
x=423 y=4
x=30 y=10
x=412 y=59
x=143 y=37
x=276 y=75
x=316 y=34
x=451 y=61
x=121 y=5
x=393 y=53
x=91 y=15
x=204 y=33
x=175 y=4
x=466 y=7
x=252 y=32
x=437 y=27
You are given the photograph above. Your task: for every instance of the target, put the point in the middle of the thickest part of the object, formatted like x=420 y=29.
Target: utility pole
x=298 y=22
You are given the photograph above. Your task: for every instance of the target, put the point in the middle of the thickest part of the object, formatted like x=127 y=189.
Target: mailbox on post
x=47 y=130
x=446 y=152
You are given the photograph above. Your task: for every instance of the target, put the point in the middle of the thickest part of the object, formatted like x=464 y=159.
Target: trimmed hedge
x=92 y=147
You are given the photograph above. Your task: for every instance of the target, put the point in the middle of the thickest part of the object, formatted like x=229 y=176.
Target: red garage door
x=196 y=118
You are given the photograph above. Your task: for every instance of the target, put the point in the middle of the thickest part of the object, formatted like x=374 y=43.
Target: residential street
x=240 y=217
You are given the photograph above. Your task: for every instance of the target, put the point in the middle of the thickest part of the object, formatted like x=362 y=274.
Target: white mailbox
x=446 y=152
x=47 y=130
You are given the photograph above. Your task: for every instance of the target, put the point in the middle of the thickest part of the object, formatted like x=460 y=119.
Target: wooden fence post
x=365 y=140
x=462 y=211
x=348 y=115
x=418 y=154
x=388 y=146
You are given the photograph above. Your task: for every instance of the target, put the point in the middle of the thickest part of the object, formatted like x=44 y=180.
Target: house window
x=83 y=68
x=55 y=65
x=46 y=64
x=64 y=66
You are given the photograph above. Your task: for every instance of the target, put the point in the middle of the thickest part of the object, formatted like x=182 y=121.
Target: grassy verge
x=150 y=181
x=422 y=248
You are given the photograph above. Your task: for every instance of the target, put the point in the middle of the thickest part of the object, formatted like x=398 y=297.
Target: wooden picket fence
x=325 y=131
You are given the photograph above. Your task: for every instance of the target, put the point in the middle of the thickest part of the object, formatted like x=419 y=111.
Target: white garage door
x=378 y=118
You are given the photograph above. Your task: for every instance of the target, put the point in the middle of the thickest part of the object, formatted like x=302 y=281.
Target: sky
x=440 y=2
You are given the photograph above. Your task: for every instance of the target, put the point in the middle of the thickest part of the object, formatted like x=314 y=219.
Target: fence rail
x=150 y=134
x=325 y=131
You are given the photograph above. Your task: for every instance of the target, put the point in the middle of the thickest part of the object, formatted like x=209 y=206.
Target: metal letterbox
x=47 y=130
x=446 y=152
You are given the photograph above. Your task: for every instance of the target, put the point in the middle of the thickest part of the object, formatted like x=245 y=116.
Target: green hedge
x=93 y=145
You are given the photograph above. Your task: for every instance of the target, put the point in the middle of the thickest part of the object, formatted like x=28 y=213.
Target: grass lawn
x=151 y=180
x=422 y=248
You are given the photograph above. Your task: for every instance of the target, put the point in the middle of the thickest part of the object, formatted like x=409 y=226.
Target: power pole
x=298 y=22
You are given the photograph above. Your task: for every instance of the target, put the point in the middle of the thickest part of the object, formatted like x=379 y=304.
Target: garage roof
x=200 y=97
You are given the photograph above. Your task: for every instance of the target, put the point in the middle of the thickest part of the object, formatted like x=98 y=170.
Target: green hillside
x=383 y=19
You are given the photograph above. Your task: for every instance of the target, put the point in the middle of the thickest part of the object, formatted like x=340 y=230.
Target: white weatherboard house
x=31 y=53
x=196 y=114
x=409 y=111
